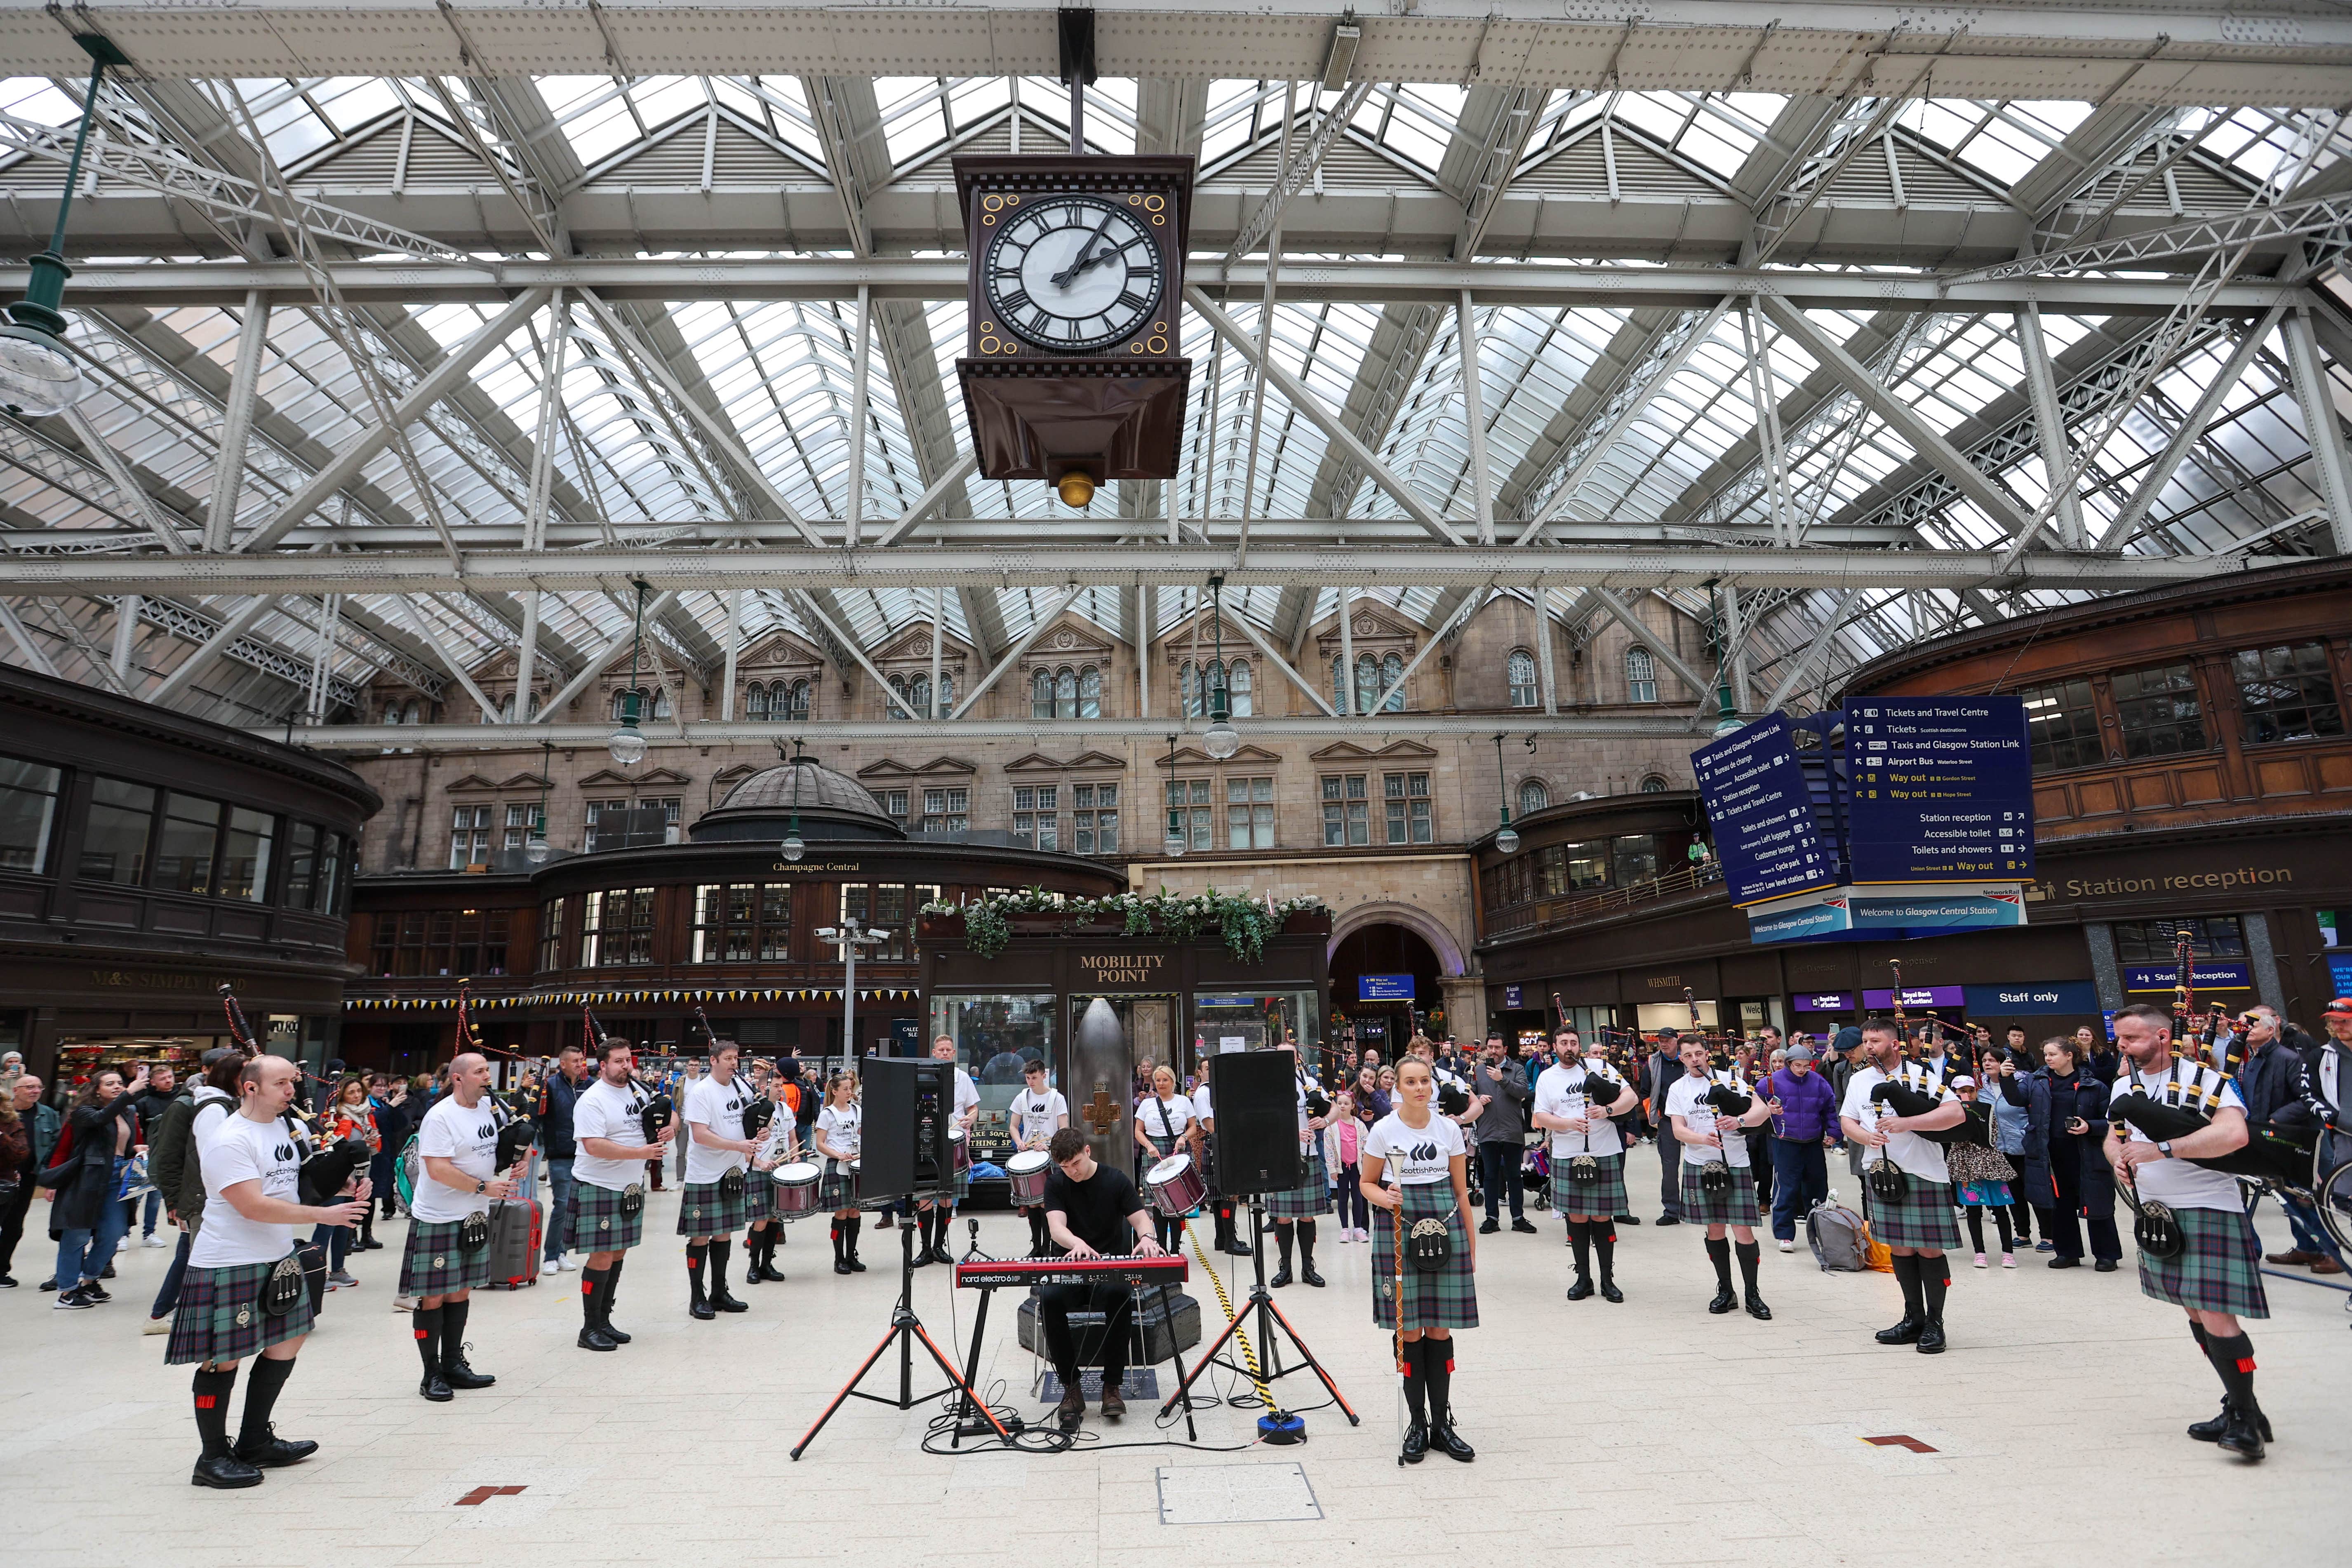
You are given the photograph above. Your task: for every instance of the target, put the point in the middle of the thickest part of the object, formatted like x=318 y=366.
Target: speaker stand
x=1266 y=1318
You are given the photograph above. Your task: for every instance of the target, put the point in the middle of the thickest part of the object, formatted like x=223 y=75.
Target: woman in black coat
x=84 y=1216
x=2065 y=1170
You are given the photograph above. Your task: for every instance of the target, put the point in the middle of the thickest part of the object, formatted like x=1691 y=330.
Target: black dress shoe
x=8 y=1282
x=1724 y=1301
x=1488 y=1226
x=1239 y=1249
x=1609 y=1291
x=594 y=1339
x=922 y=1256
x=1524 y=1225
x=2242 y=1437
x=274 y=1452
x=2211 y=1431
x=766 y=1273
x=48 y=1284
x=1416 y=1443
x=2103 y=1265
x=434 y=1389
x=613 y=1334
x=1581 y=1288
x=840 y=1266
x=1448 y=1442
x=1757 y=1309
x=2065 y=1263
x=1625 y=1219
x=938 y=1254
x=1906 y=1332
x=727 y=1303
x=457 y=1374
x=1931 y=1338
x=1281 y=1276
x=226 y=1471
x=1306 y=1273
x=1668 y=1219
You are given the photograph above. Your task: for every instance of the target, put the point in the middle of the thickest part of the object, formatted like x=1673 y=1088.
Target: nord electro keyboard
x=1141 y=1273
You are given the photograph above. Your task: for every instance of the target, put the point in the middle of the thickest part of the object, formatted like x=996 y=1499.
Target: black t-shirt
x=1096 y=1209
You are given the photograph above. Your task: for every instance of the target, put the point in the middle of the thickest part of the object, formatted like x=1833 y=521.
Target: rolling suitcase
x=517 y=1232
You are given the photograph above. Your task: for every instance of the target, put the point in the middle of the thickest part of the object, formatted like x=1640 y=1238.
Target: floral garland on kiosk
x=1244 y=921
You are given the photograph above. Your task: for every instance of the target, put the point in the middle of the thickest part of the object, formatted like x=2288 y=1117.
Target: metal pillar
x=237 y=425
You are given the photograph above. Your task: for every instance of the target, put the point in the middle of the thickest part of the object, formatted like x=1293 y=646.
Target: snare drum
x=1175 y=1187
x=795 y=1192
x=1026 y=1171
x=857 y=1180
x=958 y=1151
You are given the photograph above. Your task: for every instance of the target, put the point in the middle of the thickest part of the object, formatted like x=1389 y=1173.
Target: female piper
x=777 y=1145
x=1695 y=1121
x=1415 y=1168
x=837 y=1129
x=1161 y=1119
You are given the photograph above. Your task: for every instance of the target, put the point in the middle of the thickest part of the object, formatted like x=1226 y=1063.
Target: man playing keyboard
x=1091 y=1210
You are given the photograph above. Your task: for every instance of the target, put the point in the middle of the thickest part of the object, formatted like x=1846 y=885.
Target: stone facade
x=1405 y=810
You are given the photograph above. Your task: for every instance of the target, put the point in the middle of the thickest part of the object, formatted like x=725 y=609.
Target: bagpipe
x=519 y=1131
x=1905 y=1101
x=328 y=1164
x=1727 y=1101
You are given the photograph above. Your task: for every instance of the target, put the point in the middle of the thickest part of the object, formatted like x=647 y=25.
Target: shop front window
x=2160 y=712
x=28 y=809
x=1229 y=1021
x=245 y=855
x=996 y=1038
x=191 y=837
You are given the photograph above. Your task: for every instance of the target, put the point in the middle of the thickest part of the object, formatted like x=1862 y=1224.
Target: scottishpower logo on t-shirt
x=1422 y=1151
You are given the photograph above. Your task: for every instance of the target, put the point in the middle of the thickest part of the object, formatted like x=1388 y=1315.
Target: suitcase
x=518 y=1233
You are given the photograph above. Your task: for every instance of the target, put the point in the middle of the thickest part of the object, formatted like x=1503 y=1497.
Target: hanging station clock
x=1071 y=373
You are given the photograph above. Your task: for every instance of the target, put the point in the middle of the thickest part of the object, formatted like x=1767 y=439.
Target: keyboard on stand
x=1140 y=1273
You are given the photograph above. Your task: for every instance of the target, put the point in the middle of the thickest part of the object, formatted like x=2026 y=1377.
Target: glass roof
x=780 y=375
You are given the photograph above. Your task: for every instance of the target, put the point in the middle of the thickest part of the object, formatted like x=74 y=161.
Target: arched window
x=918 y=695
x=947 y=694
x=1187 y=697
x=414 y=713
x=1533 y=796
x=1041 y=694
x=1641 y=676
x=1339 y=681
x=1090 y=693
x=621 y=704
x=892 y=709
x=1367 y=681
x=1066 y=693
x=1237 y=688
x=798 y=708
x=1522 y=671
x=1392 y=674
x=392 y=713
x=1654 y=785
x=755 y=702
x=661 y=703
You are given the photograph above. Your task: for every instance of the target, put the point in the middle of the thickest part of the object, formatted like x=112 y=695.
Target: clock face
x=1070 y=274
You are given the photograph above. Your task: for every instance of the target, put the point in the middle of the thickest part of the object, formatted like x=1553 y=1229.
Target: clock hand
x=1062 y=279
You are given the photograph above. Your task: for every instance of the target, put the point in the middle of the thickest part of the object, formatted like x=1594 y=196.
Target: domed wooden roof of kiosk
x=829 y=804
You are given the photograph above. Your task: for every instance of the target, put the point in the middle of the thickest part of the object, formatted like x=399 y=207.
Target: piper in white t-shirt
x=1916 y=1227
x=716 y=1196
x=608 y=1123
x=1574 y=1100
x=2216 y=1277
x=457 y=1144
x=252 y=1170
x=1712 y=1138
x=932 y=1214
x=837 y=1134
x=1413 y=1169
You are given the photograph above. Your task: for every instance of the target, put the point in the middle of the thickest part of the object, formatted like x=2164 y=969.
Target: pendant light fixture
x=793 y=848
x=1220 y=739
x=39 y=374
x=536 y=848
x=1173 y=845
x=1506 y=840
x=627 y=745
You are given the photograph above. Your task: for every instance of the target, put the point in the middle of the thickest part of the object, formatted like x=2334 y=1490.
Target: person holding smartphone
x=2065 y=1169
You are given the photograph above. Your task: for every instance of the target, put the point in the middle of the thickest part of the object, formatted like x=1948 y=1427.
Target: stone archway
x=1413 y=919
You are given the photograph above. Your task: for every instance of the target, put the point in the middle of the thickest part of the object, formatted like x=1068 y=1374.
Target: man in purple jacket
x=1804 y=1126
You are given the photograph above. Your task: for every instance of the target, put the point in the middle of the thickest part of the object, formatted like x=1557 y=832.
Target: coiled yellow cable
x=1224 y=1304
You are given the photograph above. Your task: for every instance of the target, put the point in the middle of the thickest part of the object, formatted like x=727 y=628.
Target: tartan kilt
x=834 y=1189
x=1447 y=1299
x=1606 y=1197
x=597 y=1223
x=704 y=1210
x=220 y=1316
x=1736 y=1205
x=756 y=1188
x=2219 y=1268
x=433 y=1265
x=1922 y=1220
x=1312 y=1196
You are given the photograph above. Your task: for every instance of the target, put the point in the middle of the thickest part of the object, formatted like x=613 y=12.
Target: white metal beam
x=1620 y=612
x=200 y=658
x=2118 y=533
x=2323 y=426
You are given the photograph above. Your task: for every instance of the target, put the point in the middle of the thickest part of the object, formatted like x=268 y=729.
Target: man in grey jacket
x=42 y=1125
x=1664 y=1067
x=1502 y=1096
x=178 y=1174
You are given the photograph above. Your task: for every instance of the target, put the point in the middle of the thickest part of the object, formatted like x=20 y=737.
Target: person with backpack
x=85 y=1216
x=1805 y=1128
x=172 y=1165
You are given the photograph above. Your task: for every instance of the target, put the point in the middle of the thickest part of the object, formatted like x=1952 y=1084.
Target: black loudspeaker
x=909 y=1104
x=1255 y=1098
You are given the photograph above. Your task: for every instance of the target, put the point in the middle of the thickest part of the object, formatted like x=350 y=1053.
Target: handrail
x=1550 y=914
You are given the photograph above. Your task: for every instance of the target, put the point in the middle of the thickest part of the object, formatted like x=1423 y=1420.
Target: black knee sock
x=1306 y=1243
x=212 y=1393
x=262 y=1389
x=453 y=1331
x=1976 y=1227
x=2233 y=1358
x=1718 y=1252
x=855 y=1226
x=1748 y=1252
x=611 y=1285
x=840 y=1242
x=429 y=1335
x=593 y=1283
x=722 y=1251
x=2204 y=1342
x=1416 y=1387
x=1437 y=1368
x=1906 y=1275
x=1579 y=1237
x=1934 y=1276
x=1282 y=1229
x=1604 y=1242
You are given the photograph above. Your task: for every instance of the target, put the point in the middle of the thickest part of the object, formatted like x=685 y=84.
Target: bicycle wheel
x=2334 y=1200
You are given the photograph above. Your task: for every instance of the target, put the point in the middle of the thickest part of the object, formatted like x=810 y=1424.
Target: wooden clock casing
x=1115 y=410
